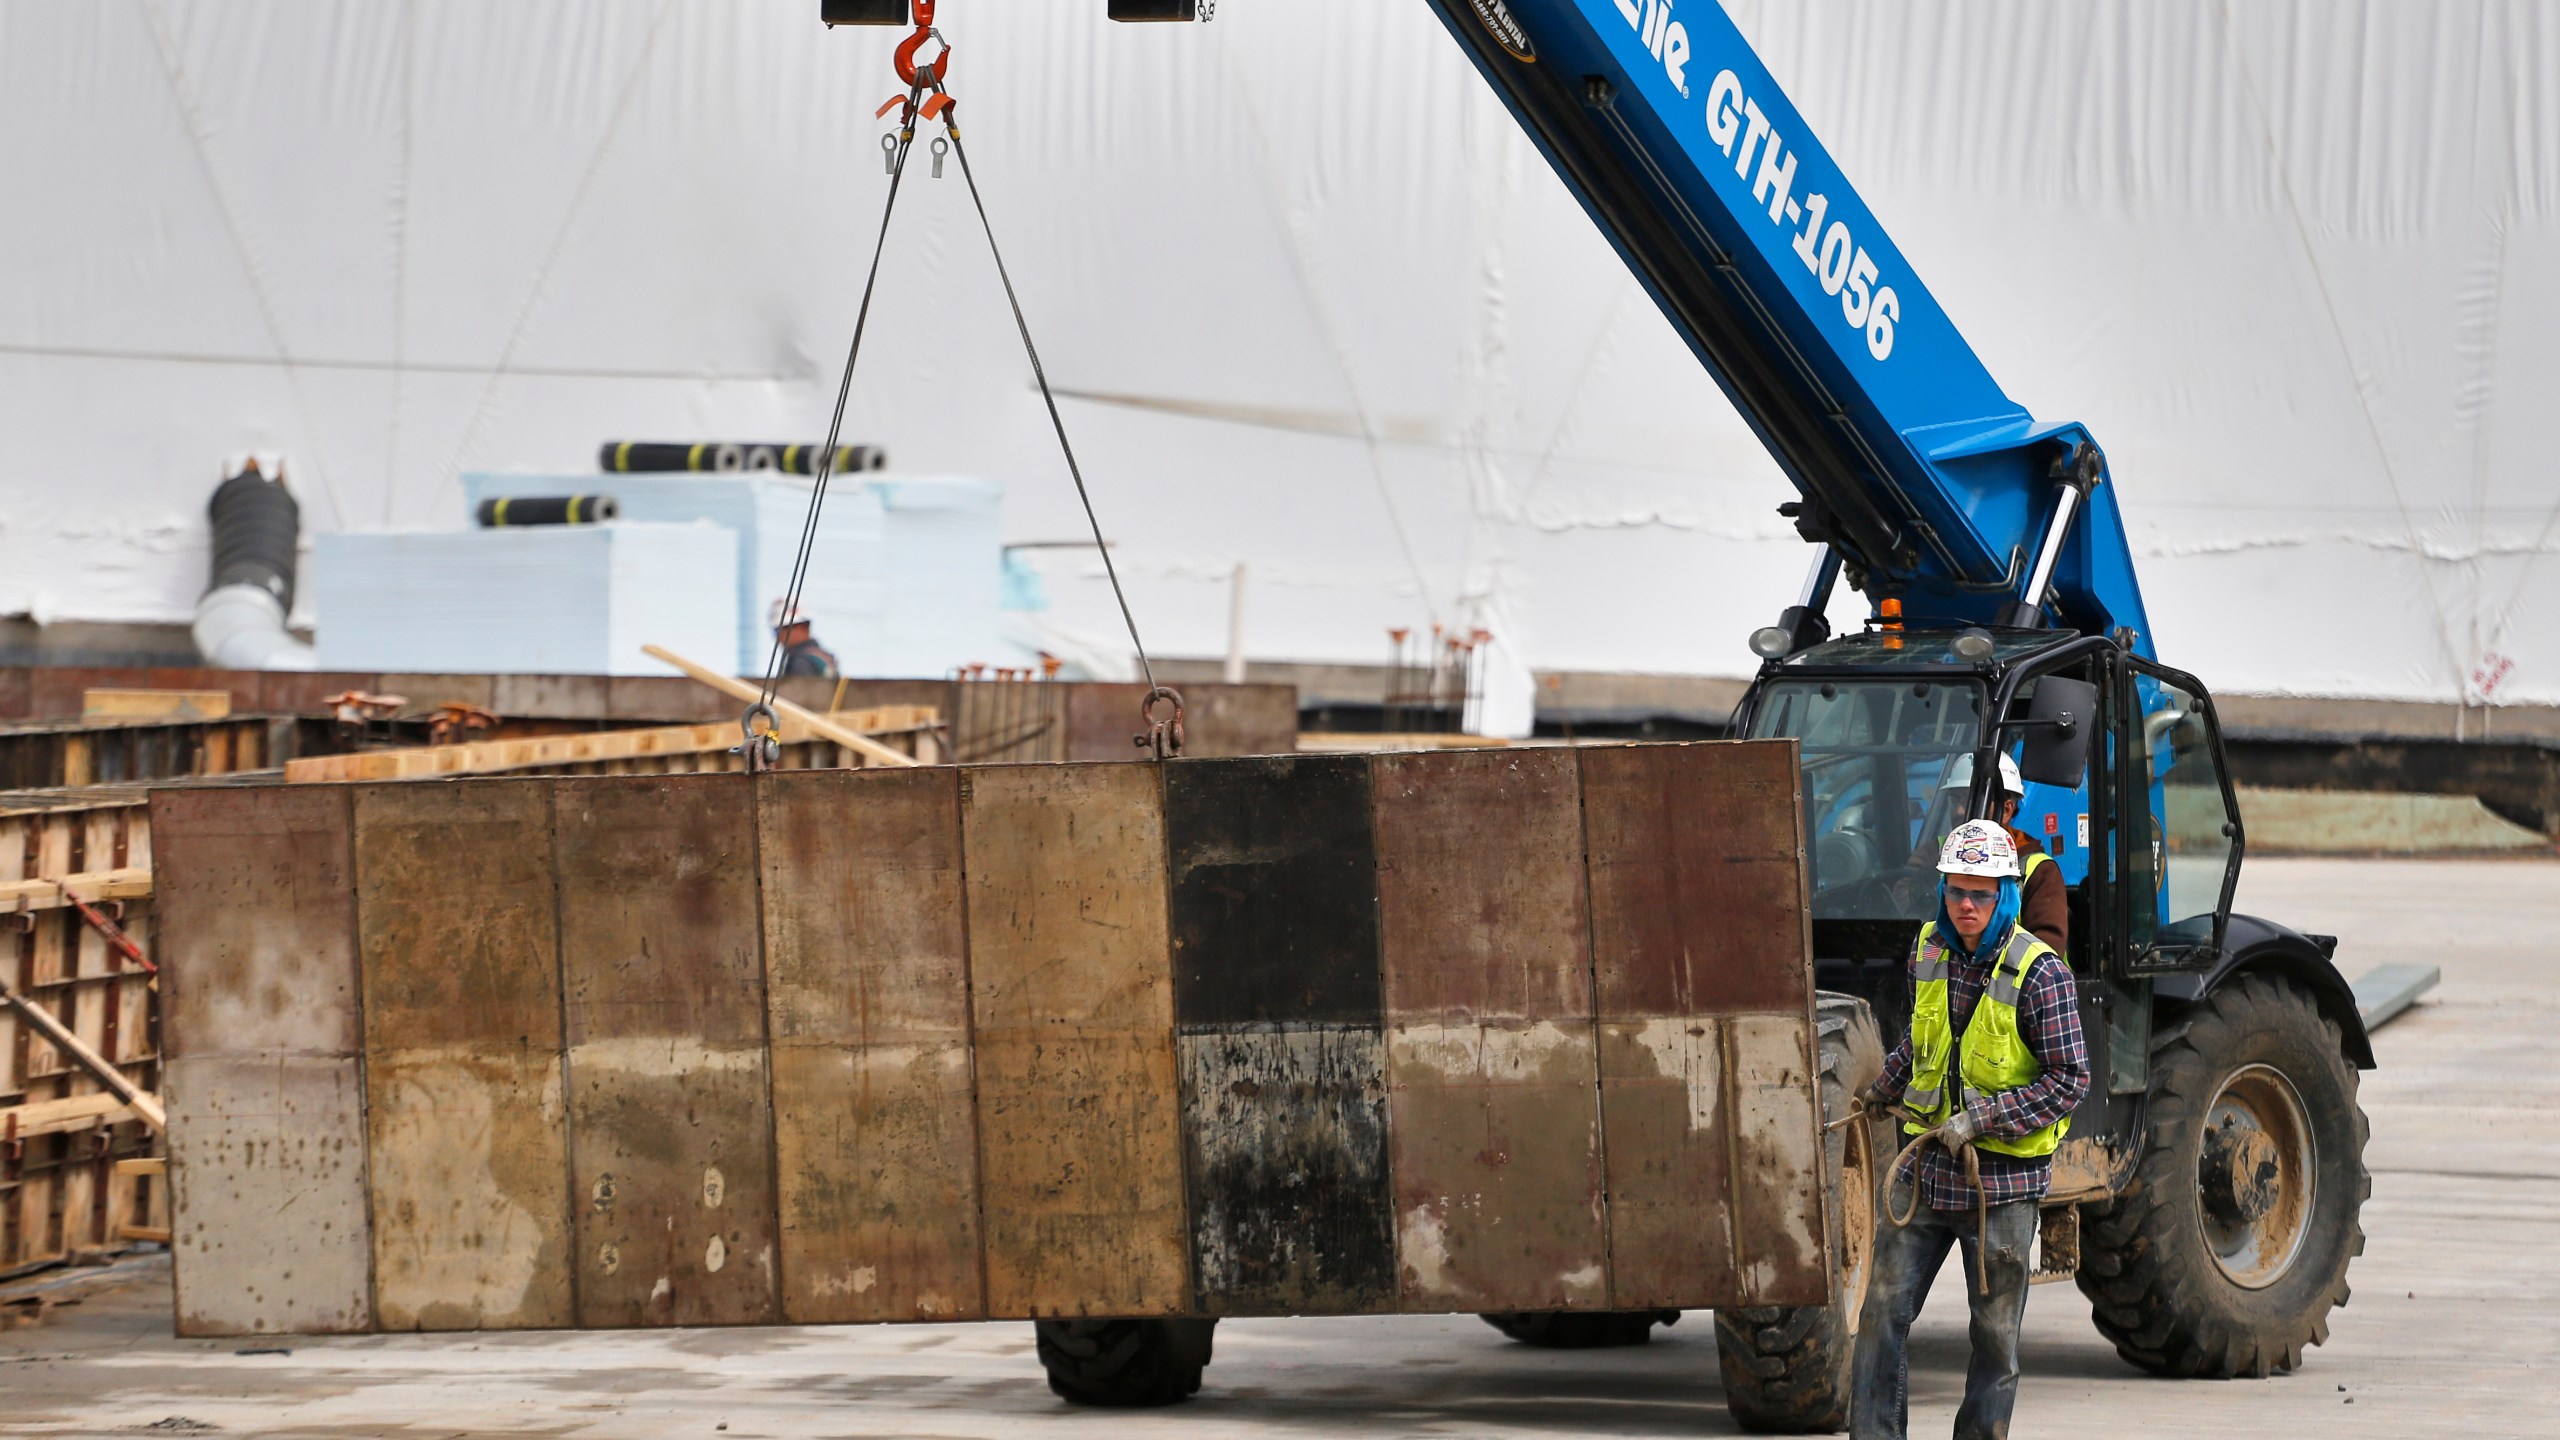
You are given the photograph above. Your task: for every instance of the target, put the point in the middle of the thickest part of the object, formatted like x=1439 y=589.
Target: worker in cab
x=1987 y=1077
x=802 y=656
x=2044 y=897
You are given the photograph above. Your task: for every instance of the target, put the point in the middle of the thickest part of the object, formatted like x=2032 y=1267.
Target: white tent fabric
x=2295 y=262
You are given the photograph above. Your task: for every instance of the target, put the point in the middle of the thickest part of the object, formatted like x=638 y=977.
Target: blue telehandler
x=2207 y=1199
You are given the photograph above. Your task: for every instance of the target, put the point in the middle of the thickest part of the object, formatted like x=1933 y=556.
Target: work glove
x=1959 y=1130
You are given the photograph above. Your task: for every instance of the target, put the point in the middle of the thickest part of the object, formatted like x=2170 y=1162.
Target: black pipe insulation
x=515 y=510
x=627 y=457
x=257 y=526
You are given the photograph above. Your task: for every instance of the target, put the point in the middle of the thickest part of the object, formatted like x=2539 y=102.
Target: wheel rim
x=2257 y=1169
x=1857 y=1221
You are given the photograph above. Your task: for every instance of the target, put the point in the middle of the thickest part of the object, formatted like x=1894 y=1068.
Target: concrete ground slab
x=2454 y=1329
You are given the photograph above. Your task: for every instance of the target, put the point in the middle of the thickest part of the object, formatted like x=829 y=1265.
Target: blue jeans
x=1907 y=1258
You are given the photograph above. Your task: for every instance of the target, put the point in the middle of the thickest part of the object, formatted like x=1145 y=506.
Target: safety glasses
x=1976 y=899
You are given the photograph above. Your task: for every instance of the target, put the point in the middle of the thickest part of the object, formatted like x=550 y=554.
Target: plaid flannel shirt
x=2049 y=1021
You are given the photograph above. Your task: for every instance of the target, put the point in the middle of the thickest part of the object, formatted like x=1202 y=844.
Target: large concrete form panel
x=456 y=902
x=1274 y=891
x=1481 y=906
x=1286 y=1142
x=1494 y=1088
x=1697 y=865
x=1669 y=1134
x=1071 y=987
x=874 y=1117
x=267 y=1168
x=257 y=907
x=669 y=1118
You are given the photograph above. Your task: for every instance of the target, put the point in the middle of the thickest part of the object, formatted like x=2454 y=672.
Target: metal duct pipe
x=240 y=622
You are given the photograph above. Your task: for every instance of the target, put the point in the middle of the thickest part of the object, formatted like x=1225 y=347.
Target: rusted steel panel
x=1696 y=879
x=266 y=1161
x=1274 y=891
x=1497 y=1166
x=1480 y=886
x=1778 y=1200
x=1669 y=1147
x=456 y=904
x=1286 y=1133
x=1704 y=977
x=669 y=1120
x=874 y=1117
x=462 y=1022
x=255 y=893
x=1072 y=1000
x=470 y=1184
x=1493 y=1071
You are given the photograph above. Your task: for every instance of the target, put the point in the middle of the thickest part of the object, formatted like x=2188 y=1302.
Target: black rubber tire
x=1786 y=1369
x=1124 y=1364
x=1580 y=1329
x=2153 y=1286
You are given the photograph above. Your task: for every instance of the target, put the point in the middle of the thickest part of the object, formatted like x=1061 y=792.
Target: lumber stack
x=61 y=1134
x=1495 y=1030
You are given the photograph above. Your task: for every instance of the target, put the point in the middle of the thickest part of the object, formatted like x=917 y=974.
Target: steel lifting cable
x=1159 y=736
x=761 y=743
x=1162 y=736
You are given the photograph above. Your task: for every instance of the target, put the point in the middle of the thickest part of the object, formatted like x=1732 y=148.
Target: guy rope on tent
x=928 y=100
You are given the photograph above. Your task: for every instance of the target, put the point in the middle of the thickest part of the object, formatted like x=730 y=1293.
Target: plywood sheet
x=1497 y=1166
x=1669 y=1141
x=874 y=1114
x=462 y=1023
x=267 y=1162
x=1274 y=891
x=254 y=888
x=670 y=1123
x=1697 y=864
x=1286 y=1136
x=1072 y=1000
x=1480 y=885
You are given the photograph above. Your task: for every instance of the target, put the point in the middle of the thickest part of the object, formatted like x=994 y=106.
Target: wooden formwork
x=61 y=1135
x=1492 y=1030
x=72 y=754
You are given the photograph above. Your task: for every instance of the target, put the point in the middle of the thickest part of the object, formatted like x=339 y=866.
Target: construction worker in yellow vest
x=1994 y=1063
x=2044 y=897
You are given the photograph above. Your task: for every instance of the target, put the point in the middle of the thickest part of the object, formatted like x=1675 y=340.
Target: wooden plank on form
x=851 y=739
x=874 y=1118
x=1072 y=1002
x=462 y=1025
x=45 y=1023
x=1491 y=1059
x=110 y=704
x=669 y=1119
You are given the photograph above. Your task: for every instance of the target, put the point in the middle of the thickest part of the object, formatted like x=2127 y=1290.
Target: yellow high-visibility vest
x=1991 y=1057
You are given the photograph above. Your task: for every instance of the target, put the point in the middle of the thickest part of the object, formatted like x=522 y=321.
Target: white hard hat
x=783 y=613
x=1960 y=775
x=1979 y=847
